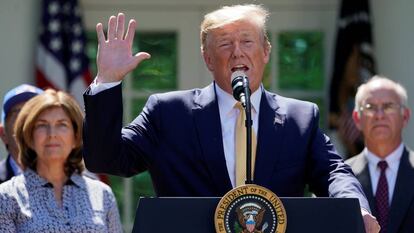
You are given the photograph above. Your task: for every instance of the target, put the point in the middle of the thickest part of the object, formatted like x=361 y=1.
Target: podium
x=194 y=214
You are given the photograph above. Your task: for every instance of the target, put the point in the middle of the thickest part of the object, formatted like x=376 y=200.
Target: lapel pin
x=278 y=120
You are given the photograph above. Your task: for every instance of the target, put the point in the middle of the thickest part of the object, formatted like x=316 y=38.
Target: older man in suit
x=13 y=101
x=186 y=139
x=385 y=167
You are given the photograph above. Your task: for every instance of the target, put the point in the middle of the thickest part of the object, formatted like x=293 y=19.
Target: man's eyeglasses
x=388 y=108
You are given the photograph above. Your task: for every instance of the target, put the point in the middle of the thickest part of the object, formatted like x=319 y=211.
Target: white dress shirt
x=228 y=118
x=393 y=161
x=96 y=87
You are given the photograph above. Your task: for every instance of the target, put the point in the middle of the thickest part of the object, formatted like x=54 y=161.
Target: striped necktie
x=381 y=197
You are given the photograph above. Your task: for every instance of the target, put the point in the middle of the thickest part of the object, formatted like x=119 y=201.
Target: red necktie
x=381 y=197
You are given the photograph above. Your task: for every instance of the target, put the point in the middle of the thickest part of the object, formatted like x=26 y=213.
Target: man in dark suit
x=186 y=139
x=385 y=167
x=12 y=103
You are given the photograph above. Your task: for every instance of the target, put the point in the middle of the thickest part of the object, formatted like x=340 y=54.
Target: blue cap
x=18 y=95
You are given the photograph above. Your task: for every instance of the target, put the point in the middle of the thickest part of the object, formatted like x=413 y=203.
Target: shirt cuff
x=96 y=87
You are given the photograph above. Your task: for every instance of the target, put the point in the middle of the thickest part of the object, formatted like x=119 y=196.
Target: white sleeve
x=96 y=87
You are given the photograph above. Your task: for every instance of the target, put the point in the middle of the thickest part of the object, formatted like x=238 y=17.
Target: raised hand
x=114 y=58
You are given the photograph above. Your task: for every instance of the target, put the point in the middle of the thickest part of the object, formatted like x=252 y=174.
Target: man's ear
x=357 y=119
x=406 y=116
x=267 y=51
x=207 y=60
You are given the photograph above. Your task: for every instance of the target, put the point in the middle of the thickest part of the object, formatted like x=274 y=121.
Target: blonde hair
x=230 y=14
x=26 y=120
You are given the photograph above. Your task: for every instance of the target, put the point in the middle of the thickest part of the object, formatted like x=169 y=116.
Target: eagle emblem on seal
x=250 y=217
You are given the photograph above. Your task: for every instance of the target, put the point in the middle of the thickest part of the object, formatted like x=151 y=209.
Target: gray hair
x=229 y=14
x=362 y=90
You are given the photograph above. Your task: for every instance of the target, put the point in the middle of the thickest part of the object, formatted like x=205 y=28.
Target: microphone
x=240 y=86
x=241 y=92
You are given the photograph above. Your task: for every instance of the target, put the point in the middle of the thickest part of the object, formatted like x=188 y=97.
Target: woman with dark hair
x=52 y=195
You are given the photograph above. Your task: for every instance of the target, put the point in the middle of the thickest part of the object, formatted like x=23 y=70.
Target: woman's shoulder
x=12 y=192
x=11 y=186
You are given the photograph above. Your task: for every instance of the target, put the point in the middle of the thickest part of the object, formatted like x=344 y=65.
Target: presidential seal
x=250 y=209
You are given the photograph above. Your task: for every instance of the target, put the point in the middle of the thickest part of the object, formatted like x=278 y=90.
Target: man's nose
x=237 y=50
x=379 y=111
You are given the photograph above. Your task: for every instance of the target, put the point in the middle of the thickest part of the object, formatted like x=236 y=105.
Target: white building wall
x=394 y=38
x=18 y=29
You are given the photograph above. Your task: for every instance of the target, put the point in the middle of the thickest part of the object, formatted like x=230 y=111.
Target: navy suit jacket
x=6 y=171
x=401 y=217
x=178 y=138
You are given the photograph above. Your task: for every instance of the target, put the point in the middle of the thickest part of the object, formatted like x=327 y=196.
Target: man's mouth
x=240 y=68
x=380 y=126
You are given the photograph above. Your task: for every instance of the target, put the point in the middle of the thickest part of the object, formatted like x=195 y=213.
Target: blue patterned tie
x=381 y=197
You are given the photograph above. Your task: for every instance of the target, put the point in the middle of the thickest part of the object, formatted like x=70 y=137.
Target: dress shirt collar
x=226 y=101
x=35 y=181
x=393 y=159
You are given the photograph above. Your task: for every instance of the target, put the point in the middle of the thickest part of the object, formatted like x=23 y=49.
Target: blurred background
x=321 y=50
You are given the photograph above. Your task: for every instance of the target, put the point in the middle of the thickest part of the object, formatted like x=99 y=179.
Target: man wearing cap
x=12 y=103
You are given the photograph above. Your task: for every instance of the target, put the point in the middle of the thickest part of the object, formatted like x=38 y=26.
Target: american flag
x=354 y=64
x=61 y=61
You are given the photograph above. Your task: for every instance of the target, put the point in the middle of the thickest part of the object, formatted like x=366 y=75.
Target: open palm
x=115 y=58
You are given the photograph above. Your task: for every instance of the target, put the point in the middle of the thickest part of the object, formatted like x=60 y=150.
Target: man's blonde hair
x=229 y=14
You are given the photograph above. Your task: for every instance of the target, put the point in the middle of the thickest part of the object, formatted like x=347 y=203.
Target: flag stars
x=56 y=44
x=75 y=65
x=62 y=35
x=77 y=30
x=53 y=8
x=77 y=46
x=54 y=26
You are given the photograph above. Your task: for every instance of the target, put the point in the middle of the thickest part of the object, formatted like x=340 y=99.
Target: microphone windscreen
x=237 y=84
x=237 y=73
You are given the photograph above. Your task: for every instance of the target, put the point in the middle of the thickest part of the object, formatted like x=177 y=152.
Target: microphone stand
x=248 y=124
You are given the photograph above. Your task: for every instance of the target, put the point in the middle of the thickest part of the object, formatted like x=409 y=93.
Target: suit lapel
x=270 y=138
x=10 y=172
x=361 y=170
x=207 y=121
x=403 y=191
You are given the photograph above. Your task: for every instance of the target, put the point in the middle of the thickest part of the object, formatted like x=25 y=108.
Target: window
x=301 y=68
